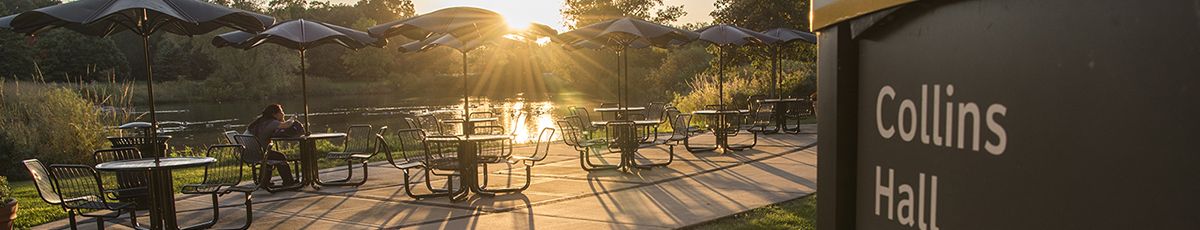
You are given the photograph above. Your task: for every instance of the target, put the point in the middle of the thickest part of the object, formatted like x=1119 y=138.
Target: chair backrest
x=253 y=152
x=77 y=185
x=542 y=149
x=359 y=139
x=229 y=137
x=582 y=115
x=410 y=123
x=615 y=128
x=227 y=171
x=42 y=181
x=412 y=144
x=679 y=124
x=116 y=154
x=123 y=179
x=145 y=144
x=431 y=124
x=571 y=134
x=655 y=111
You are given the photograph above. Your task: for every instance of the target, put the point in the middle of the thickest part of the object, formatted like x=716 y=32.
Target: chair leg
x=694 y=149
x=349 y=175
x=486 y=191
x=585 y=162
x=133 y=218
x=99 y=222
x=71 y=217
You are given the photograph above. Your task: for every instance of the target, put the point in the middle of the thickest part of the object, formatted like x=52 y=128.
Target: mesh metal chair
x=573 y=136
x=130 y=186
x=82 y=193
x=415 y=154
x=540 y=151
x=796 y=112
x=254 y=154
x=144 y=144
x=229 y=137
x=43 y=183
x=221 y=178
x=608 y=116
x=585 y=121
x=359 y=147
x=432 y=125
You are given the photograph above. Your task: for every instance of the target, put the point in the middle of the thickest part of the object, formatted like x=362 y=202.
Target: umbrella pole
x=466 y=100
x=775 y=74
x=150 y=94
x=721 y=76
x=625 y=72
x=304 y=92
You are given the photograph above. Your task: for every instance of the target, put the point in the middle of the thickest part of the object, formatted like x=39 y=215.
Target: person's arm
x=286 y=124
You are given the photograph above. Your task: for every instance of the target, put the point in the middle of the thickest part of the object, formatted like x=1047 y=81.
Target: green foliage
x=679 y=66
x=47 y=122
x=585 y=12
x=182 y=58
x=69 y=55
x=5 y=191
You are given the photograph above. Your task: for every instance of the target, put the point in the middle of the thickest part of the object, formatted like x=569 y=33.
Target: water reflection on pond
x=199 y=124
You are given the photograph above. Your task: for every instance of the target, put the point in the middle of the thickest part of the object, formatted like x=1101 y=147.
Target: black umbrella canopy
x=787 y=35
x=626 y=31
x=733 y=35
x=458 y=21
x=299 y=35
x=144 y=17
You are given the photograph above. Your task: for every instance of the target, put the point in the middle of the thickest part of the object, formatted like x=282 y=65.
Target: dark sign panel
x=1012 y=114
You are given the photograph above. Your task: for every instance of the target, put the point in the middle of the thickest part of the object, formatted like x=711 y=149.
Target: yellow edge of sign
x=842 y=10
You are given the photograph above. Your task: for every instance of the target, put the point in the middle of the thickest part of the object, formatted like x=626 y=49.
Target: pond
x=200 y=124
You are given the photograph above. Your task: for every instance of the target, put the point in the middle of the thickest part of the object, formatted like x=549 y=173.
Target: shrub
x=5 y=191
x=47 y=122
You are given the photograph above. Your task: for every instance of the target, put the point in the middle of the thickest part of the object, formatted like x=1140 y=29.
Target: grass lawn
x=800 y=213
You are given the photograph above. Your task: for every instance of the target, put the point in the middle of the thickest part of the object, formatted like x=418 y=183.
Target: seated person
x=263 y=128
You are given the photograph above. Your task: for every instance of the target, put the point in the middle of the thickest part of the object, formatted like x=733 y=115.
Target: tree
x=65 y=55
x=584 y=12
x=762 y=15
x=386 y=10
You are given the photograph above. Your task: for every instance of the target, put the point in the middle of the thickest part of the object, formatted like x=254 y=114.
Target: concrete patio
x=694 y=189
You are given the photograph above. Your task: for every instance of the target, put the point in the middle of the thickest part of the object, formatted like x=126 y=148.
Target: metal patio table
x=777 y=111
x=308 y=156
x=719 y=130
x=618 y=110
x=468 y=162
x=639 y=123
x=469 y=125
x=162 y=189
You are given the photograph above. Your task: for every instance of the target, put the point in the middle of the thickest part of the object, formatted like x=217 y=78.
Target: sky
x=521 y=12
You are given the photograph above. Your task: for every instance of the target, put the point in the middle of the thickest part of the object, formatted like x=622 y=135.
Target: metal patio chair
x=573 y=136
x=130 y=186
x=795 y=112
x=679 y=132
x=220 y=178
x=584 y=118
x=143 y=144
x=43 y=182
x=540 y=151
x=416 y=153
x=610 y=115
x=432 y=125
x=82 y=194
x=358 y=147
x=254 y=154
x=229 y=137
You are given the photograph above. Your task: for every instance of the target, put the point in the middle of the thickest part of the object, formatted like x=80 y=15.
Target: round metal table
x=162 y=189
x=468 y=161
x=620 y=112
x=308 y=156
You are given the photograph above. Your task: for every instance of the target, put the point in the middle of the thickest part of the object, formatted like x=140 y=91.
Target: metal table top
x=154 y=163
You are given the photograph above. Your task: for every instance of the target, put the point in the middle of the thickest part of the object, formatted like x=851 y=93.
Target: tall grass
x=705 y=91
x=47 y=122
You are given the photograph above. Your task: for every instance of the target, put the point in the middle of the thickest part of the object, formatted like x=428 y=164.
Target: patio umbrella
x=622 y=33
x=143 y=17
x=785 y=36
x=727 y=36
x=461 y=28
x=300 y=35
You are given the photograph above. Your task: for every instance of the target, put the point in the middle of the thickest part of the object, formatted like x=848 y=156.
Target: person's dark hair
x=266 y=115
